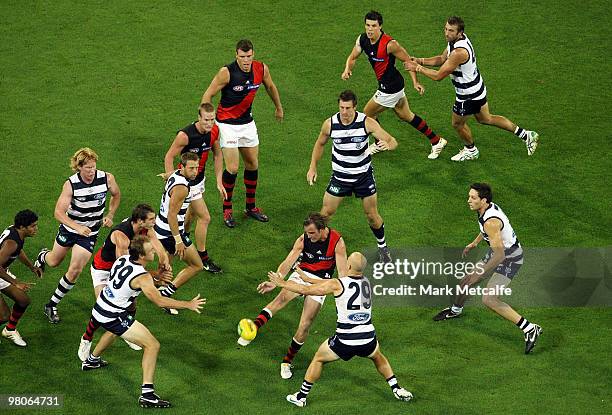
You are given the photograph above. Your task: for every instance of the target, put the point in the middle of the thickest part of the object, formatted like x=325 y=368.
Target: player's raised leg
x=529 y=137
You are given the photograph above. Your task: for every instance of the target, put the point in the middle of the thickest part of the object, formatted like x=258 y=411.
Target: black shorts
x=469 y=107
x=364 y=186
x=345 y=352
x=119 y=325
x=68 y=239
x=170 y=245
x=510 y=266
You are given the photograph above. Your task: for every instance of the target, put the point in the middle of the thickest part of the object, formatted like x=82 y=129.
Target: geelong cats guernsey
x=88 y=202
x=162 y=228
x=354 y=307
x=466 y=78
x=349 y=151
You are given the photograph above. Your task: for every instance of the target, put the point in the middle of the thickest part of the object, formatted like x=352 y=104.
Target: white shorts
x=196 y=191
x=388 y=100
x=99 y=276
x=3 y=283
x=241 y=135
x=295 y=277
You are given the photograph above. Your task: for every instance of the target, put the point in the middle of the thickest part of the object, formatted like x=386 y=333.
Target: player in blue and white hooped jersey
x=355 y=334
x=504 y=258
x=111 y=311
x=458 y=60
x=170 y=223
x=352 y=171
x=80 y=211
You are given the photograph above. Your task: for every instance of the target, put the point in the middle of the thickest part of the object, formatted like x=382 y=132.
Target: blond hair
x=82 y=156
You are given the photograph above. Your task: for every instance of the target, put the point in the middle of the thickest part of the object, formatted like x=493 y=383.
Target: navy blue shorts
x=119 y=325
x=364 y=186
x=170 y=245
x=469 y=107
x=68 y=239
x=346 y=352
x=510 y=266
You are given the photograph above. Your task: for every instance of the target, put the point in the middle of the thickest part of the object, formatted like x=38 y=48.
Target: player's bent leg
x=493 y=302
x=373 y=109
x=384 y=368
x=94 y=361
x=311 y=309
x=330 y=204
x=80 y=257
x=194 y=265
x=499 y=121
x=456 y=309
x=21 y=303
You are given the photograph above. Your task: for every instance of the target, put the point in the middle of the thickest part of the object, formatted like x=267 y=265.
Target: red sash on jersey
x=236 y=111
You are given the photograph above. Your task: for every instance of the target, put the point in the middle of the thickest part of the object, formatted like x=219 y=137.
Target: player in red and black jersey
x=11 y=248
x=320 y=250
x=382 y=50
x=238 y=83
x=199 y=137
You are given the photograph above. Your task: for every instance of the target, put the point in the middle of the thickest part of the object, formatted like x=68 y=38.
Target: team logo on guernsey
x=238 y=88
x=309 y=255
x=256 y=86
x=359 y=317
x=334 y=189
x=375 y=59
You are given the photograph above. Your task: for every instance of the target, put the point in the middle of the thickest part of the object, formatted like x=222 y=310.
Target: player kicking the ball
x=355 y=334
x=504 y=258
x=128 y=279
x=319 y=249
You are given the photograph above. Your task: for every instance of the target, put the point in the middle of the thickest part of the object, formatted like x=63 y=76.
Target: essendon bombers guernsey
x=238 y=95
x=11 y=233
x=104 y=258
x=200 y=144
x=319 y=258
x=390 y=80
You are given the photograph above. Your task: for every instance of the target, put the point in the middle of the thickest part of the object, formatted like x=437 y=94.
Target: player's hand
x=467 y=249
x=165 y=175
x=82 y=230
x=107 y=221
x=411 y=65
x=346 y=74
x=265 y=287
x=311 y=176
x=179 y=249
x=222 y=191
x=165 y=276
x=378 y=146
x=196 y=304
x=419 y=88
x=279 y=114
x=276 y=279
x=23 y=286
x=37 y=271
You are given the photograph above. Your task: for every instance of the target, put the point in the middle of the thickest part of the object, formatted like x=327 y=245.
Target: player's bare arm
x=61 y=207
x=394 y=47
x=145 y=283
x=218 y=165
x=177 y=196
x=386 y=141
x=122 y=243
x=457 y=57
x=472 y=244
x=164 y=262
x=8 y=247
x=317 y=151
x=433 y=61
x=326 y=287
x=351 y=60
x=115 y=192
x=493 y=228
x=272 y=91
x=341 y=258
x=180 y=141
x=23 y=258
x=221 y=79
x=285 y=266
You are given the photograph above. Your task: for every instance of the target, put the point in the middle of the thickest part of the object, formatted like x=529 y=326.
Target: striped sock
x=92 y=358
x=379 y=234
x=92 y=326
x=524 y=325
x=229 y=180
x=168 y=290
x=294 y=348
x=392 y=381
x=421 y=125
x=250 y=182
x=147 y=390
x=520 y=133
x=304 y=390
x=62 y=289
x=15 y=316
x=263 y=317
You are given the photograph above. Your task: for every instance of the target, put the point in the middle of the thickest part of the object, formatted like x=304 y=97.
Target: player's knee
x=73 y=274
x=490 y=301
x=457 y=125
x=24 y=302
x=153 y=345
x=484 y=120
x=231 y=167
x=373 y=218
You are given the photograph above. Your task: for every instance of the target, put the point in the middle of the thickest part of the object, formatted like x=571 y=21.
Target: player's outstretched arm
x=317 y=151
x=433 y=61
x=386 y=141
x=400 y=53
x=115 y=200
x=272 y=91
x=145 y=283
x=221 y=79
x=350 y=61
x=23 y=258
x=304 y=277
x=293 y=255
x=326 y=287
x=456 y=58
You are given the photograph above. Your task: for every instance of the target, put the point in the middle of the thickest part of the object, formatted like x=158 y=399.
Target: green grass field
x=122 y=77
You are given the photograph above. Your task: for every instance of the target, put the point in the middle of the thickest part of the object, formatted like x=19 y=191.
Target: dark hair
x=205 y=107
x=25 y=218
x=136 y=249
x=484 y=191
x=348 y=95
x=141 y=212
x=374 y=15
x=456 y=21
x=316 y=219
x=244 y=45
x=188 y=156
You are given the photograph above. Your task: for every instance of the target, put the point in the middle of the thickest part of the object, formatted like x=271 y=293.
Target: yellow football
x=247 y=329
